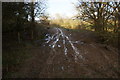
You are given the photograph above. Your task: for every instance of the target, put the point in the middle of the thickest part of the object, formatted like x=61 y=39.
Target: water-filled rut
x=70 y=54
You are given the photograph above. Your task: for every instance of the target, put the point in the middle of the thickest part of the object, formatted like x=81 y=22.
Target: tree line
x=18 y=18
x=100 y=14
x=104 y=18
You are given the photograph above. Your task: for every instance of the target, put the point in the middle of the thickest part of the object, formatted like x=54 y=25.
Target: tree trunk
x=115 y=25
x=118 y=18
x=32 y=20
x=32 y=12
x=98 y=26
x=19 y=37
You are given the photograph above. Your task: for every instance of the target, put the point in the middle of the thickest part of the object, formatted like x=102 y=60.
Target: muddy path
x=70 y=54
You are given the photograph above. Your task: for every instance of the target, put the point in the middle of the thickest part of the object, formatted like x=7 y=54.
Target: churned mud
x=70 y=54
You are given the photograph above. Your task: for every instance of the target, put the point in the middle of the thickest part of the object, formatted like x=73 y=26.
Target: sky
x=61 y=7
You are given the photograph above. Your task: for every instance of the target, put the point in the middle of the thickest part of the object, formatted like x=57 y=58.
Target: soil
x=70 y=54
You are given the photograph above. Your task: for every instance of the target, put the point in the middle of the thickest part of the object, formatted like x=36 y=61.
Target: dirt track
x=70 y=54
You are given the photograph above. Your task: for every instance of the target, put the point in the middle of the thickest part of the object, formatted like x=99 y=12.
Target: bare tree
x=98 y=12
x=35 y=9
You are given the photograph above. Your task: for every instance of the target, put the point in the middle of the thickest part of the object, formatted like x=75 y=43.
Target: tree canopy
x=98 y=12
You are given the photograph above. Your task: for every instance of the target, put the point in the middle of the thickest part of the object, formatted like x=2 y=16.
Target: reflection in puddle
x=93 y=45
x=81 y=43
x=50 y=45
x=52 y=40
x=77 y=54
x=59 y=45
x=47 y=35
x=75 y=41
x=78 y=42
x=62 y=68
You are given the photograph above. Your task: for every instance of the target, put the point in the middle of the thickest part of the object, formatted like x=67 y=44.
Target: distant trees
x=66 y=22
x=99 y=12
